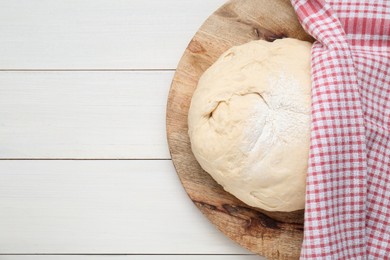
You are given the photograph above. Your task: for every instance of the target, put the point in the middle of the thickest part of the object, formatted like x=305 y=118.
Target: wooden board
x=275 y=235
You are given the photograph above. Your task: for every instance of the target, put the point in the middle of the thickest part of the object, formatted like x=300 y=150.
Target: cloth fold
x=347 y=213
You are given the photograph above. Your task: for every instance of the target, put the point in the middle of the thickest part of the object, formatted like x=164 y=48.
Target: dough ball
x=249 y=122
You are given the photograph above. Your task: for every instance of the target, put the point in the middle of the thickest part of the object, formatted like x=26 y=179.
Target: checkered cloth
x=347 y=213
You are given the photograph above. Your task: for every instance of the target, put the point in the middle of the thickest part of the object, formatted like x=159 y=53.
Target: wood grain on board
x=275 y=235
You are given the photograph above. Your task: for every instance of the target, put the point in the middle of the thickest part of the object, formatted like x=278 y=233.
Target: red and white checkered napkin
x=347 y=213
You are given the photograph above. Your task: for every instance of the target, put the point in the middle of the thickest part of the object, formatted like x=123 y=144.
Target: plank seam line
x=118 y=254
x=85 y=70
x=85 y=159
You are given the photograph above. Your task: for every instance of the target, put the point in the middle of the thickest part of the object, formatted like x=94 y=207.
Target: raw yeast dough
x=249 y=122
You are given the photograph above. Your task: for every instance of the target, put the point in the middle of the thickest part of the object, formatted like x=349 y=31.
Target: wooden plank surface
x=83 y=114
x=130 y=207
x=99 y=34
x=78 y=80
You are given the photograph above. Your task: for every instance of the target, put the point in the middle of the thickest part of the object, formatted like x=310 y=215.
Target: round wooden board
x=275 y=235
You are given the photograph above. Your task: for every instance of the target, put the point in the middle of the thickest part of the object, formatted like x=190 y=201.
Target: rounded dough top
x=249 y=122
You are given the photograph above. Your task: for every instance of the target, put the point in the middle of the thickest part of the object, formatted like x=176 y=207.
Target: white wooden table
x=85 y=171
